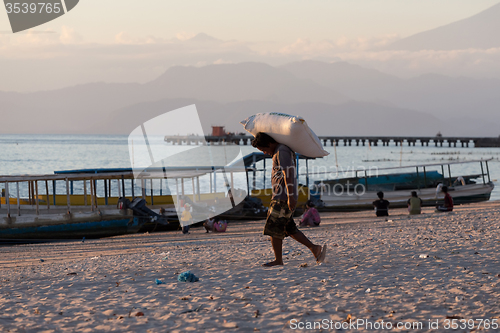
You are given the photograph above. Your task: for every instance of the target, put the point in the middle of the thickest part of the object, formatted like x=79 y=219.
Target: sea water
x=44 y=154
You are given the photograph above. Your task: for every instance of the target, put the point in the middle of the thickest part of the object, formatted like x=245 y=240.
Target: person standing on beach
x=381 y=205
x=279 y=222
x=186 y=219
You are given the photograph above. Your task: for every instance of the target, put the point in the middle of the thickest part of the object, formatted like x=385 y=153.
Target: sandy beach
x=422 y=272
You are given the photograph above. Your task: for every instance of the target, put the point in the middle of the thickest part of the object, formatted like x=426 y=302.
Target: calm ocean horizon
x=23 y=154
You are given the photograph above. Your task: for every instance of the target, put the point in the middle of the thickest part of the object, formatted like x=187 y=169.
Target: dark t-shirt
x=283 y=158
x=382 y=206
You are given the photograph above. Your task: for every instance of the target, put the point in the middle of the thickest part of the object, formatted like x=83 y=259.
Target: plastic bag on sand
x=288 y=130
x=187 y=277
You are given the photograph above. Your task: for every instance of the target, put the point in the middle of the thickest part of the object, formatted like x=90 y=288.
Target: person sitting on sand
x=220 y=226
x=209 y=224
x=414 y=204
x=279 y=222
x=381 y=205
x=311 y=216
x=448 y=201
x=186 y=219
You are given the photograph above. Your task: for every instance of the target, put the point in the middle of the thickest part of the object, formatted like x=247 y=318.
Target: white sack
x=288 y=130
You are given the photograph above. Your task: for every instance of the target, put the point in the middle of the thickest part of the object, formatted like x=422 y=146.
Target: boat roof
x=258 y=156
x=177 y=172
x=429 y=165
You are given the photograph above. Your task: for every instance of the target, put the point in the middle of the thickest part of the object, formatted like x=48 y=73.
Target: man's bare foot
x=316 y=250
x=273 y=263
x=322 y=255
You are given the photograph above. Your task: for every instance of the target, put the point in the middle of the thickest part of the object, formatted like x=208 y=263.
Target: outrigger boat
x=44 y=216
x=112 y=206
x=358 y=192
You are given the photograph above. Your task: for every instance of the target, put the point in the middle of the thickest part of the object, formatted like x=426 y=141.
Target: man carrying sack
x=280 y=223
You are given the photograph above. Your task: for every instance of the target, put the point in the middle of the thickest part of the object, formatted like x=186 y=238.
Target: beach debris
x=117 y=284
x=41 y=260
x=328 y=296
x=229 y=324
x=454 y=317
x=83 y=240
x=94 y=258
x=72 y=273
x=348 y=318
x=423 y=256
x=187 y=276
x=158 y=281
x=324 y=280
x=194 y=310
x=139 y=314
x=368 y=290
x=256 y=313
x=303 y=264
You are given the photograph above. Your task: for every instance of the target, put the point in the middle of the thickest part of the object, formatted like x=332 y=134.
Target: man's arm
x=289 y=173
x=286 y=162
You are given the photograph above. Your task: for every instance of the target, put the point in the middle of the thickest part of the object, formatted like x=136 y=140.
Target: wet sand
x=433 y=267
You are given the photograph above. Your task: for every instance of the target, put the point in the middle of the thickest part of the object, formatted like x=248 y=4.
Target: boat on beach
x=106 y=202
x=109 y=202
x=359 y=192
x=43 y=217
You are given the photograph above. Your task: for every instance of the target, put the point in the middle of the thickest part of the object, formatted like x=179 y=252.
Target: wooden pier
x=436 y=141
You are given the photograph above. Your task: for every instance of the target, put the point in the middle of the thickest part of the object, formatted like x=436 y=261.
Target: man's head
x=414 y=194
x=380 y=194
x=445 y=189
x=264 y=143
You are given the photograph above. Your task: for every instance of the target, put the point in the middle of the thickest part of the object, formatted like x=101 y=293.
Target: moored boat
x=357 y=193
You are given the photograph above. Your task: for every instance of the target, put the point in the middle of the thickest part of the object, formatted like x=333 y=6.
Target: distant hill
x=468 y=105
x=335 y=98
x=352 y=80
x=80 y=108
x=351 y=118
x=238 y=82
x=477 y=32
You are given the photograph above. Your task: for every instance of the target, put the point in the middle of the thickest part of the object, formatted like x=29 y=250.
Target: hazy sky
x=136 y=41
x=259 y=20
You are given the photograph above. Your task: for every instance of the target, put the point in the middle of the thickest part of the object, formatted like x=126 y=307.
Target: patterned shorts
x=279 y=223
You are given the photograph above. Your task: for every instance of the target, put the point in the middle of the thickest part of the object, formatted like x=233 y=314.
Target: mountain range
x=475 y=32
x=336 y=98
